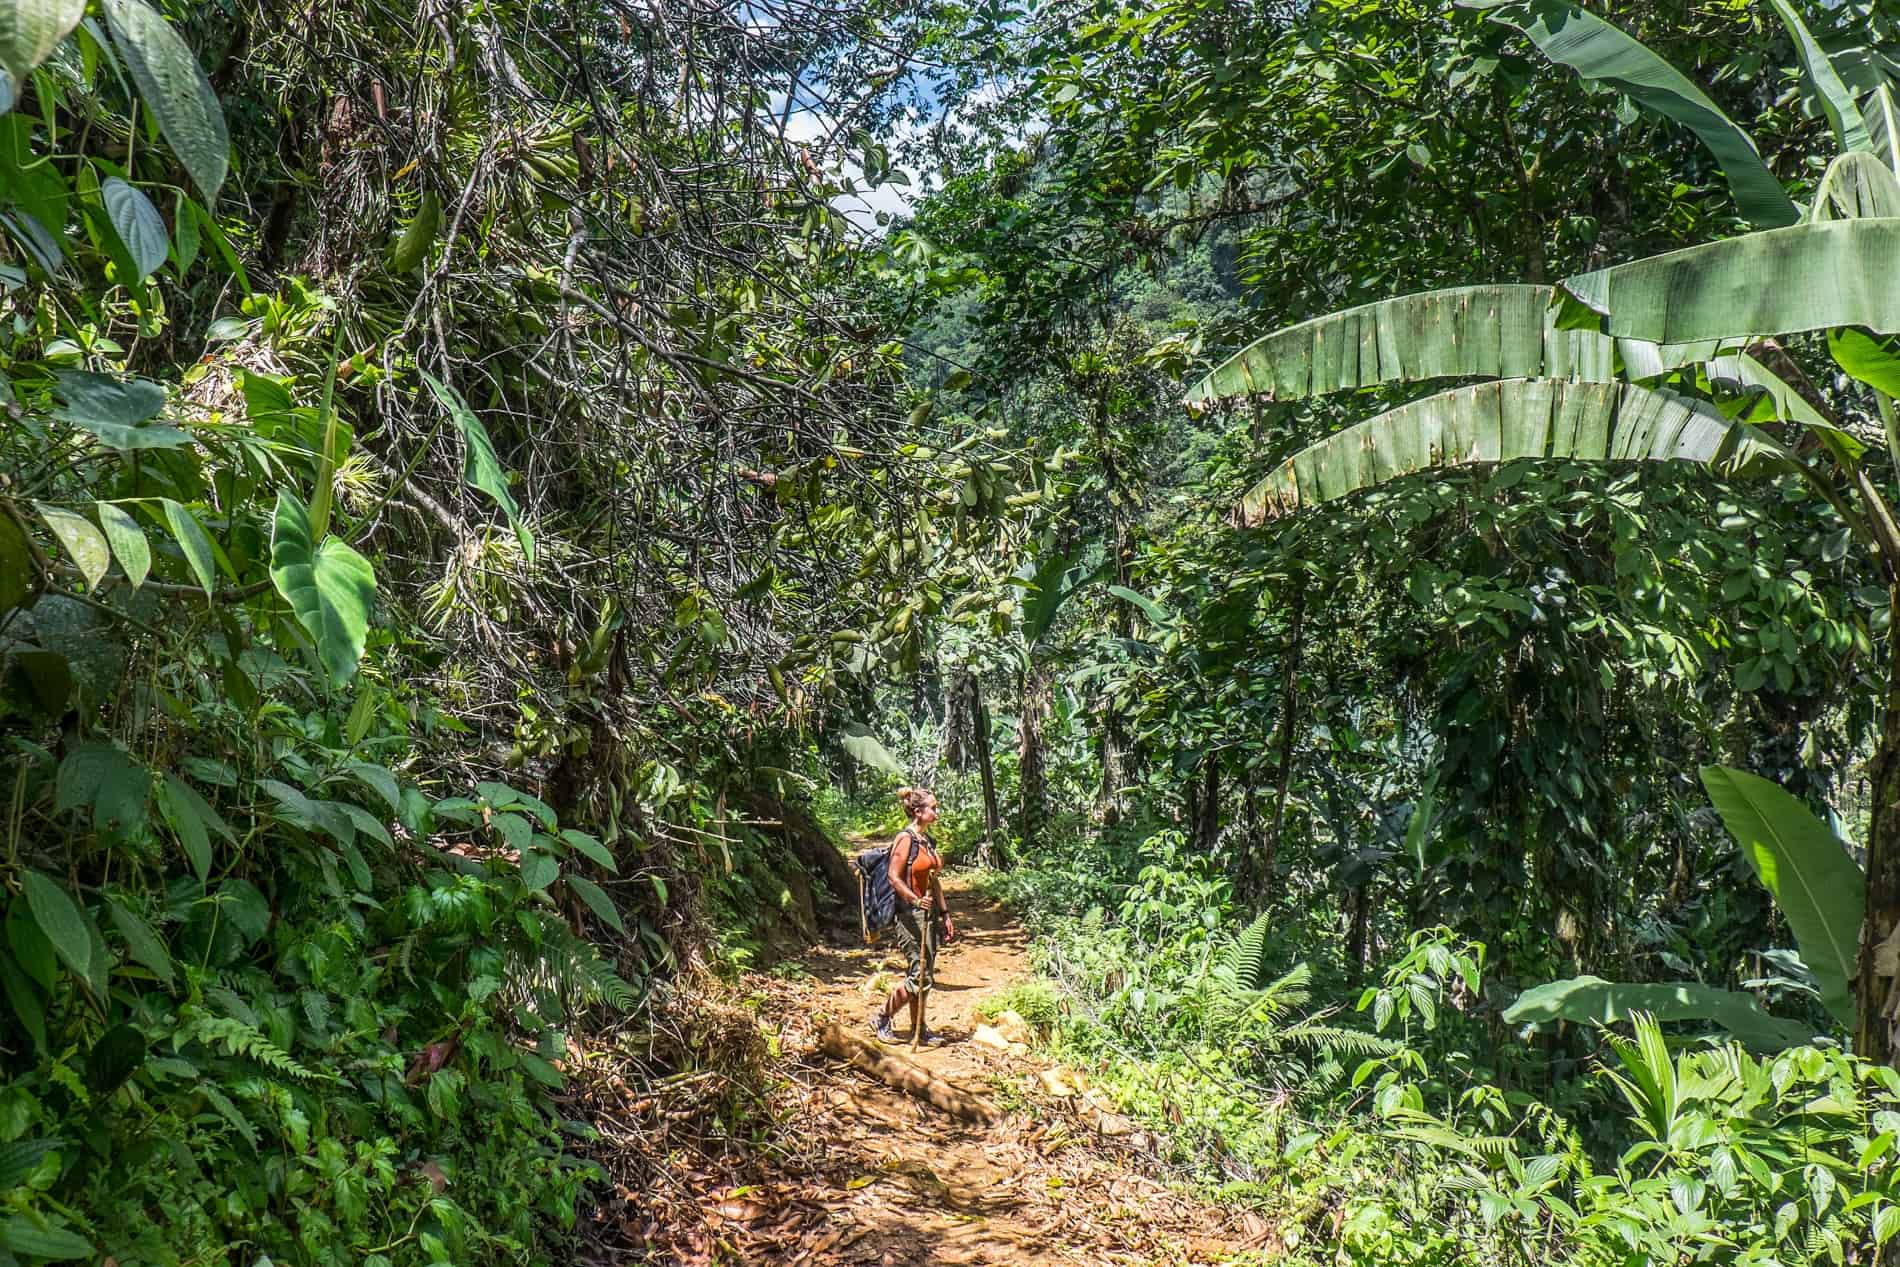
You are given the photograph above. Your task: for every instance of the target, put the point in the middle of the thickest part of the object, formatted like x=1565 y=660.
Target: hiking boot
x=931 y=1038
x=881 y=1027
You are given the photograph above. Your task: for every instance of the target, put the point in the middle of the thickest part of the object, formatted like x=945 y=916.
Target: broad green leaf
x=31 y=950
x=1598 y=51
x=144 y=943
x=31 y=29
x=93 y=397
x=16 y=564
x=1593 y=1001
x=1500 y=422
x=21 y=1158
x=104 y=778
x=330 y=587
x=379 y=780
x=129 y=545
x=1808 y=871
x=412 y=248
x=856 y=738
x=84 y=544
x=597 y=901
x=192 y=539
x=1780 y=281
x=116 y=411
x=60 y=919
x=1856 y=187
x=538 y=870
x=1883 y=126
x=1489 y=331
x=193 y=820
x=1850 y=130
x=591 y=848
x=139 y=226
x=24 y=1234
x=174 y=88
x=1871 y=361
x=482 y=469
x=1155 y=612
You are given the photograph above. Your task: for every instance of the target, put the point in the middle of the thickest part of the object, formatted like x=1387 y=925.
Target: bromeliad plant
x=1680 y=357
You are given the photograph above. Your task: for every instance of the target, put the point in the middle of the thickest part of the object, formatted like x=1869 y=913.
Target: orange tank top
x=924 y=863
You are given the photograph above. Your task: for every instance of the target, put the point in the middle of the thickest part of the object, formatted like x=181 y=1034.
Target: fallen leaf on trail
x=861 y=1181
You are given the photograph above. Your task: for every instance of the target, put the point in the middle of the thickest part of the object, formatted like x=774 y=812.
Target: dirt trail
x=897 y=1181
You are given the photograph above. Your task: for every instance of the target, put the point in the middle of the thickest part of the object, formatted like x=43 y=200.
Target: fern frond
x=235 y=1038
x=1245 y=961
x=1333 y=1038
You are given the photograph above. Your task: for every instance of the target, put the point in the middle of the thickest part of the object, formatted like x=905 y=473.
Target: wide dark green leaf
x=23 y=1234
x=1501 y=422
x=857 y=739
x=1591 y=1000
x=1598 y=51
x=597 y=901
x=482 y=469
x=330 y=587
x=1470 y=331
x=1781 y=281
x=1808 y=871
x=174 y=88
x=60 y=918
x=139 y=226
x=141 y=941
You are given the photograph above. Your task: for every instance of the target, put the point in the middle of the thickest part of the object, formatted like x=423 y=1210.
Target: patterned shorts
x=910 y=932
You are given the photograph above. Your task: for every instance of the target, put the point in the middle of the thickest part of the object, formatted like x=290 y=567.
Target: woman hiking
x=913 y=873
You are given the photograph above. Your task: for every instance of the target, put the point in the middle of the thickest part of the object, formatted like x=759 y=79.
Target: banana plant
x=1673 y=358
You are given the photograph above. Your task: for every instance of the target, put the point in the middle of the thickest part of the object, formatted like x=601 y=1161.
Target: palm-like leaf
x=1499 y=422
x=1470 y=331
x=1782 y=281
x=1850 y=129
x=1596 y=50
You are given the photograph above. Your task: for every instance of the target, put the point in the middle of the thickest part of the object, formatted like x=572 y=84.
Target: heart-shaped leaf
x=330 y=587
x=174 y=88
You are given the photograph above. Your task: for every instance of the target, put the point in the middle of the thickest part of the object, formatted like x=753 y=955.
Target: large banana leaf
x=1471 y=331
x=1814 y=880
x=1596 y=50
x=1836 y=101
x=1497 y=422
x=1594 y=1001
x=1883 y=125
x=1857 y=187
x=1779 y=281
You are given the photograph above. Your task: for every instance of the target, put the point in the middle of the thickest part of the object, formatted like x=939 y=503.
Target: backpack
x=877 y=900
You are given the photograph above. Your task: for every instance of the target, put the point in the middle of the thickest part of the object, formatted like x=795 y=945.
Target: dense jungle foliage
x=483 y=486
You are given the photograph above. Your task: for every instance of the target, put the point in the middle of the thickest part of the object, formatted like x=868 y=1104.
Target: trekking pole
x=928 y=964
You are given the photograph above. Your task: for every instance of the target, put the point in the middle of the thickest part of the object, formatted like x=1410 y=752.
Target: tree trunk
x=1356 y=939
x=1877 y=1003
x=1207 y=804
x=992 y=816
x=1289 y=719
x=1031 y=777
